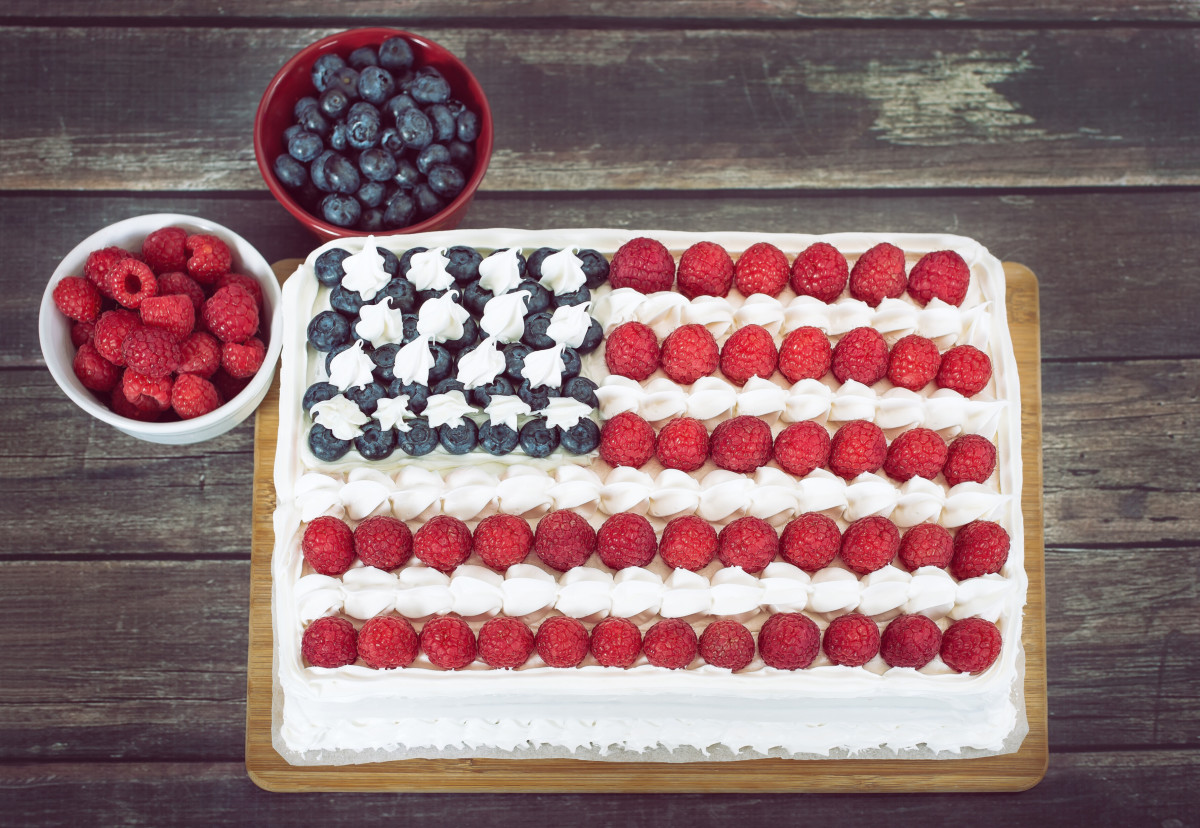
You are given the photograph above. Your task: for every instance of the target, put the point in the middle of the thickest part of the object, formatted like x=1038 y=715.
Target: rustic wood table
x=1063 y=135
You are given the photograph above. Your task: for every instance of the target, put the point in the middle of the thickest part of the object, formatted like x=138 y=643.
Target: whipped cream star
x=341 y=416
x=364 y=271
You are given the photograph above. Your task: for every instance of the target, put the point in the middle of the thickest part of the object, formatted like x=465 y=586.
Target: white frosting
x=391 y=412
x=562 y=272
x=413 y=362
x=427 y=270
x=544 y=367
x=569 y=324
x=565 y=412
x=341 y=416
x=481 y=365
x=500 y=272
x=380 y=323
x=442 y=319
x=504 y=316
x=364 y=271
x=506 y=409
x=447 y=409
x=351 y=368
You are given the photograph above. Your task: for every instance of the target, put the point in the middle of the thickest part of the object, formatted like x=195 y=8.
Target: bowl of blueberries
x=373 y=131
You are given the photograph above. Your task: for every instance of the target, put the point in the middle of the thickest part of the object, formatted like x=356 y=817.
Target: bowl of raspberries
x=373 y=131
x=166 y=327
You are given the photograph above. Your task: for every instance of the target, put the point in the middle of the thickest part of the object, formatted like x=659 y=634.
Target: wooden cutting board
x=1013 y=772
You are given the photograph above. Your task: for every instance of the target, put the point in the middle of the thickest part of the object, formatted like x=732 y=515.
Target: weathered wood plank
x=634 y=109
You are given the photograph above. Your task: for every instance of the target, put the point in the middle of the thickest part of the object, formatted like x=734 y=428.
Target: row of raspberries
x=690 y=352
x=787 y=641
x=564 y=540
x=820 y=270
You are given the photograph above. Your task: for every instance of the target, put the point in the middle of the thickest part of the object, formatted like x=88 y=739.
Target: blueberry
x=406 y=258
x=364 y=124
x=339 y=136
x=370 y=221
x=448 y=384
x=342 y=174
x=402 y=293
x=327 y=330
x=462 y=155
x=582 y=389
x=418 y=395
x=334 y=103
x=537 y=439
x=475 y=296
x=375 y=443
x=470 y=337
x=313 y=121
x=399 y=211
x=497 y=440
x=316 y=171
x=346 y=80
x=514 y=360
x=323 y=69
x=415 y=128
x=538 y=398
x=324 y=445
x=304 y=146
x=377 y=165
x=389 y=139
x=592 y=339
x=429 y=87
x=481 y=396
x=398 y=104
x=410 y=328
x=290 y=172
x=366 y=397
x=581 y=438
x=464 y=263
x=341 y=210
x=443 y=364
x=539 y=297
x=349 y=302
x=535 y=261
x=395 y=53
x=444 y=124
x=428 y=202
x=328 y=266
x=303 y=105
x=446 y=180
x=391 y=264
x=371 y=194
x=362 y=57
x=571 y=364
x=375 y=84
x=575 y=297
x=431 y=156
x=595 y=267
x=419 y=440
x=460 y=439
x=384 y=358
x=290 y=131
x=424 y=296
x=467 y=126
x=318 y=392
x=407 y=175
x=535 y=331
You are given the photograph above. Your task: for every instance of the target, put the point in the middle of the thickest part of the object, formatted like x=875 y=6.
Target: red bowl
x=294 y=81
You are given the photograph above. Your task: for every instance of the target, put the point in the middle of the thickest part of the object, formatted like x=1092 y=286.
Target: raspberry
x=870 y=544
x=970 y=645
x=448 y=642
x=329 y=642
x=561 y=641
x=810 y=542
x=642 y=264
x=820 y=271
x=851 y=640
x=99 y=264
x=789 y=641
x=913 y=362
x=231 y=314
x=383 y=542
x=122 y=406
x=969 y=458
x=861 y=355
x=682 y=444
x=152 y=351
x=442 y=543
x=943 y=274
x=627 y=440
x=918 y=452
x=689 y=353
x=227 y=385
x=131 y=282
x=742 y=444
x=200 y=354
x=209 y=258
x=387 y=642
x=181 y=284
x=111 y=329
x=242 y=361
x=503 y=541
x=980 y=548
x=193 y=396
x=171 y=313
x=670 y=643
x=165 y=250
x=247 y=283
x=750 y=352
x=505 y=643
x=146 y=393
x=925 y=544
x=878 y=274
x=805 y=354
x=328 y=545
x=82 y=332
x=626 y=540
x=858 y=446
x=762 y=268
x=564 y=540
x=632 y=351
x=616 y=642
x=728 y=644
x=964 y=369
x=802 y=447
x=705 y=269
x=748 y=542
x=78 y=299
x=688 y=542
x=93 y=370
x=910 y=641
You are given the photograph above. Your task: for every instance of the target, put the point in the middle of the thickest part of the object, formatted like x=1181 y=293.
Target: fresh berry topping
x=980 y=548
x=180 y=284
x=748 y=542
x=193 y=396
x=682 y=444
x=78 y=299
x=861 y=355
x=171 y=313
x=750 y=352
x=209 y=258
x=242 y=360
x=111 y=329
x=503 y=541
x=564 y=540
x=387 y=642
x=82 y=332
x=626 y=440
x=165 y=250
x=688 y=542
x=561 y=641
x=820 y=271
x=150 y=394
x=970 y=645
x=616 y=642
x=789 y=641
x=505 y=643
x=124 y=408
x=93 y=370
x=943 y=274
x=328 y=545
x=329 y=642
x=227 y=385
x=925 y=544
x=742 y=444
x=131 y=282
x=728 y=644
x=878 y=274
x=200 y=354
x=231 y=314
x=99 y=264
x=805 y=354
x=705 y=269
x=383 y=542
x=851 y=640
x=913 y=362
x=448 y=642
x=918 y=452
x=443 y=543
x=870 y=544
x=762 y=268
x=632 y=351
x=802 y=447
x=152 y=351
x=670 y=643
x=246 y=283
x=689 y=353
x=858 y=446
x=910 y=641
x=964 y=369
x=625 y=540
x=969 y=458
x=810 y=542
x=642 y=264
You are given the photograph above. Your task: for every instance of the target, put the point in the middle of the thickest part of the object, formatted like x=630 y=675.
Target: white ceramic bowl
x=54 y=330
